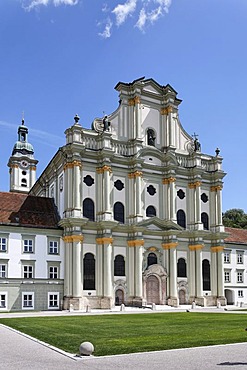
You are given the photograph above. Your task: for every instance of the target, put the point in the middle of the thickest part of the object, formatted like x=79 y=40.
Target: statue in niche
x=151 y=137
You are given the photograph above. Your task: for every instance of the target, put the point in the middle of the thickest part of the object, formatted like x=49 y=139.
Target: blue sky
x=62 y=57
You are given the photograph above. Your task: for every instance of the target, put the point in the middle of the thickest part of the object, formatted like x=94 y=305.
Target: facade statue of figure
x=151 y=137
x=106 y=124
x=197 y=145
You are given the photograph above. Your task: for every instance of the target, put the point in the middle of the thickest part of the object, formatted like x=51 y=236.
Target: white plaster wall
x=181 y=203
x=88 y=191
x=120 y=250
x=89 y=248
x=151 y=119
x=152 y=200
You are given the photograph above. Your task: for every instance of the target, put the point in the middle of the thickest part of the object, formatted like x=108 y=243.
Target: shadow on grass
x=232 y=363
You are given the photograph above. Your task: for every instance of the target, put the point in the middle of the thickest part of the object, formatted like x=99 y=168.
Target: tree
x=235 y=218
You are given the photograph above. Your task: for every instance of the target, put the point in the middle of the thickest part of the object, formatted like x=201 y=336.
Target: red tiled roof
x=27 y=210
x=238 y=236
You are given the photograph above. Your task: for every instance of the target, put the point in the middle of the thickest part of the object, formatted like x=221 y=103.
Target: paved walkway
x=19 y=352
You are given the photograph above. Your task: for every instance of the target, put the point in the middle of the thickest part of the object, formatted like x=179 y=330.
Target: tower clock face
x=24 y=164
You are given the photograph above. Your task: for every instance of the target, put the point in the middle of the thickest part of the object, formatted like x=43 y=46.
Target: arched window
x=150 y=211
x=204 y=220
x=206 y=274
x=118 y=212
x=88 y=209
x=181 y=218
x=151 y=137
x=181 y=267
x=152 y=259
x=119 y=266
x=89 y=272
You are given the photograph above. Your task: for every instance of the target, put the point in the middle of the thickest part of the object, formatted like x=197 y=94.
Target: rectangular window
x=240 y=294
x=53 y=300
x=28 y=300
x=3 y=300
x=53 y=247
x=3 y=271
x=227 y=277
x=28 y=272
x=226 y=257
x=239 y=277
x=240 y=258
x=28 y=246
x=3 y=245
x=53 y=272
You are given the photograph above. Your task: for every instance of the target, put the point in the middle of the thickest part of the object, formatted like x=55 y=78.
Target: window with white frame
x=240 y=257
x=53 y=300
x=227 y=276
x=53 y=272
x=3 y=270
x=227 y=257
x=28 y=272
x=240 y=294
x=28 y=246
x=53 y=247
x=3 y=244
x=3 y=300
x=27 y=300
x=240 y=276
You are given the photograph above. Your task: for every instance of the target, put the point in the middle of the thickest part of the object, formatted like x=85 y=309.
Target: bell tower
x=22 y=163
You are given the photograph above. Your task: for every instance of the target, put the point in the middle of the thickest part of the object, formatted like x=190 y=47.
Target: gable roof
x=238 y=236
x=27 y=210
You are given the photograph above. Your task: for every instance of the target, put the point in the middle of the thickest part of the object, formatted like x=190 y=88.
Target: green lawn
x=115 y=334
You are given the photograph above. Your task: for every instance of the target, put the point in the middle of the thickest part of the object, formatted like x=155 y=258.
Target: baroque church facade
x=138 y=211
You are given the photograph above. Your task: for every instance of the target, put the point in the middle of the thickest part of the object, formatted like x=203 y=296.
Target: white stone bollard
x=86 y=349
x=71 y=308
x=193 y=305
x=88 y=308
x=153 y=307
x=122 y=307
x=241 y=304
x=218 y=304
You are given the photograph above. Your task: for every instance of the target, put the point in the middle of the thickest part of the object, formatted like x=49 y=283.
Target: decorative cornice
x=218 y=248
x=165 y=111
x=104 y=240
x=14 y=166
x=73 y=238
x=216 y=188
x=135 y=243
x=169 y=245
x=169 y=180
x=195 y=247
x=33 y=168
x=132 y=175
x=72 y=165
x=194 y=185
x=104 y=169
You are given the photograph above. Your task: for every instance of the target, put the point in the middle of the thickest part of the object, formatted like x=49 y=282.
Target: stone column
x=136 y=245
x=131 y=198
x=196 y=202
x=130 y=271
x=192 y=273
x=76 y=187
x=68 y=191
x=220 y=271
x=106 y=192
x=77 y=288
x=138 y=187
x=199 y=285
x=137 y=102
x=219 y=204
x=68 y=266
x=108 y=273
x=173 y=296
x=32 y=175
x=165 y=204
x=99 y=197
x=213 y=273
x=99 y=269
x=173 y=215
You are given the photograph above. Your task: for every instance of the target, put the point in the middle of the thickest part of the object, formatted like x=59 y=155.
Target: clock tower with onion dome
x=22 y=163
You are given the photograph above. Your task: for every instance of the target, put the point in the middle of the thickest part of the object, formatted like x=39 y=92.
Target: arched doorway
x=229 y=294
x=119 y=297
x=182 y=296
x=153 y=295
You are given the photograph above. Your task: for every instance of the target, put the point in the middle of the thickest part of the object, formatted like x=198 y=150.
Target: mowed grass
x=116 y=334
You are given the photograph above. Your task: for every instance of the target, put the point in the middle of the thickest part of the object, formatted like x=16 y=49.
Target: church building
x=137 y=210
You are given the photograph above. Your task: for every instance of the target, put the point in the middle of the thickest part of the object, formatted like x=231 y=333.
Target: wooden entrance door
x=153 y=294
x=182 y=297
x=119 y=297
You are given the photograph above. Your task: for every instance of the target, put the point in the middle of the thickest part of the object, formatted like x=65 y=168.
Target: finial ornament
x=22 y=118
x=76 y=118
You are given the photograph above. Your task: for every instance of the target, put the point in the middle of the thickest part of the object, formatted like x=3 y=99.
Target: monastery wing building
x=140 y=206
x=128 y=211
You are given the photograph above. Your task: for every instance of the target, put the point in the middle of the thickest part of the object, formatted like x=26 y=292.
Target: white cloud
x=107 y=31
x=32 y=4
x=122 y=11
